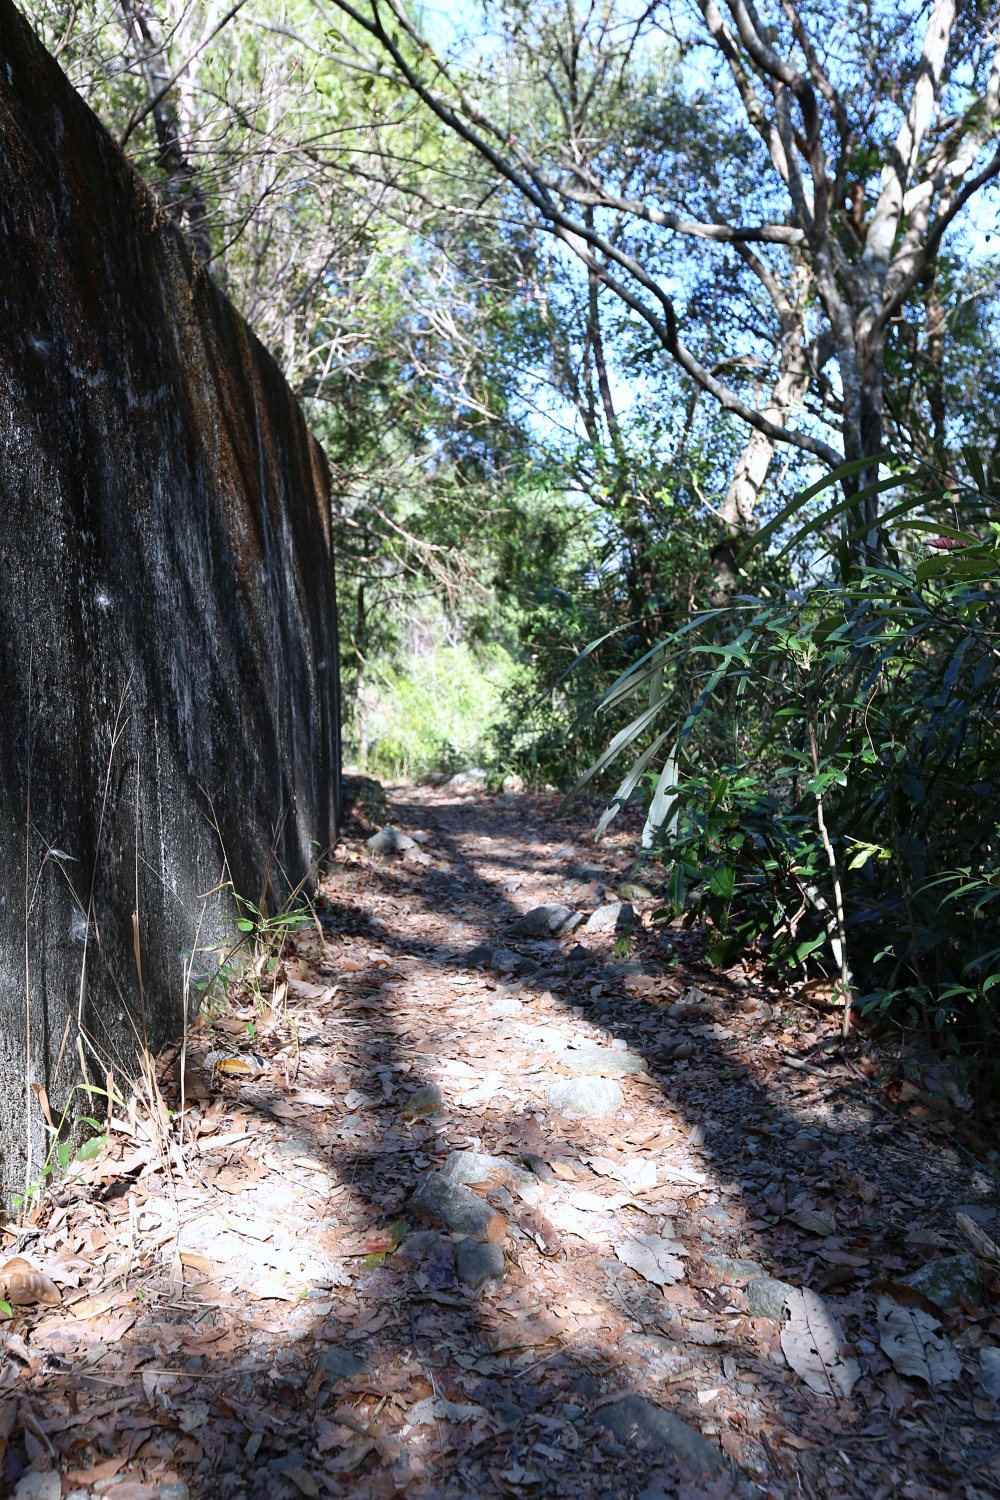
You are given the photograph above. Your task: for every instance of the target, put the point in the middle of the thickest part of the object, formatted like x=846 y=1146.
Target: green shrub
x=437 y=711
x=833 y=792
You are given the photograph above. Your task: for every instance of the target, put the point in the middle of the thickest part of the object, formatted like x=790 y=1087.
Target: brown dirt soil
x=241 y=1300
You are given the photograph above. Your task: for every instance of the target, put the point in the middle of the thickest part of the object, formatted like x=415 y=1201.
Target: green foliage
x=437 y=710
x=835 y=778
x=268 y=929
x=63 y=1153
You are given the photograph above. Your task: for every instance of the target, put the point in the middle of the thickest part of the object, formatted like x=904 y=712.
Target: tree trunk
x=934 y=313
x=184 y=197
x=754 y=463
x=863 y=435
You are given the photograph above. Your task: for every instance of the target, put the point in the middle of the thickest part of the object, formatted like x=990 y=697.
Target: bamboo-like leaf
x=632 y=678
x=938 y=528
x=581 y=656
x=958 y=566
x=974 y=460
x=728 y=653
x=885 y=521
x=701 y=701
x=628 y=785
x=631 y=682
x=848 y=502
x=663 y=806
x=829 y=481
x=622 y=738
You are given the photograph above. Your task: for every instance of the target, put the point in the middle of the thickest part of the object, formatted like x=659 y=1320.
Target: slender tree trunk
x=863 y=434
x=357 y=696
x=754 y=463
x=184 y=198
x=934 y=314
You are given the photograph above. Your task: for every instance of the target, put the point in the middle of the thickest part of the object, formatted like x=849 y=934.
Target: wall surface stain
x=167 y=615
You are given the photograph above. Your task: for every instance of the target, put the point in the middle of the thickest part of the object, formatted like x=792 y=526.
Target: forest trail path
x=626 y=1169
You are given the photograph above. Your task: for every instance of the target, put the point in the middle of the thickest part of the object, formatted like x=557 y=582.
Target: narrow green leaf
x=829 y=481
x=92 y=1149
x=662 y=812
x=628 y=785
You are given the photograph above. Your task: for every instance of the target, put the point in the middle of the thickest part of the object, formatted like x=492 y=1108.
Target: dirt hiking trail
x=477 y=1203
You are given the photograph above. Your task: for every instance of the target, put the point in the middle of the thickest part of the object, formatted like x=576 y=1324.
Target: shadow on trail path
x=293 y=1358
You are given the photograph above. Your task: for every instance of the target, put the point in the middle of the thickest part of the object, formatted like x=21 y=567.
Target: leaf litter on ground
x=248 y=1279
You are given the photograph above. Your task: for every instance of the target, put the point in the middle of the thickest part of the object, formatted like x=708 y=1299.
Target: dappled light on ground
x=462 y=1211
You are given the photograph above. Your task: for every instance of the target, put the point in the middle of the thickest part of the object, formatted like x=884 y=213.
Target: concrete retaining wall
x=168 y=654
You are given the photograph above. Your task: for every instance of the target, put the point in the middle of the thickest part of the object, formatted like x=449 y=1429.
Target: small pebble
x=425 y=1101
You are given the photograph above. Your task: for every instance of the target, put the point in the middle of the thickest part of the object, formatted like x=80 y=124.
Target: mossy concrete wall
x=168 y=653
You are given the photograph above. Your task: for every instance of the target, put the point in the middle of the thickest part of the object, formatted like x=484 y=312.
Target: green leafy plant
x=63 y=1153
x=830 y=792
x=266 y=928
x=436 y=711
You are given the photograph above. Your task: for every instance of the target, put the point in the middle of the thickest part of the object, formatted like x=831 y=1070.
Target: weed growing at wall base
x=63 y=1154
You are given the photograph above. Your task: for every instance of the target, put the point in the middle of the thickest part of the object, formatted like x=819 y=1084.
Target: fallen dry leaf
x=303 y=1482
x=353 y=1456
x=542 y=1231
x=912 y=1339
x=813 y=1343
x=200 y=1263
x=656 y=1259
x=813 y=1220
x=24 y=1286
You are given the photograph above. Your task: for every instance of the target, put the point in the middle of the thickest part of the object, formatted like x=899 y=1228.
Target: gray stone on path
x=595 y=1061
x=766 y=1297
x=500 y=960
x=426 y=1101
x=469 y=1167
x=340 y=1364
x=389 y=840
x=437 y=1198
x=475 y=776
x=634 y=1421
x=613 y=916
x=986 y=1215
x=949 y=1281
x=506 y=961
x=420 y=1242
x=539 y=1167
x=634 y=890
x=989 y=1371
x=630 y=968
x=586 y=1097
x=550 y=920
x=658 y=1356
x=734 y=1271
x=477 y=1262
x=505 y=1006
